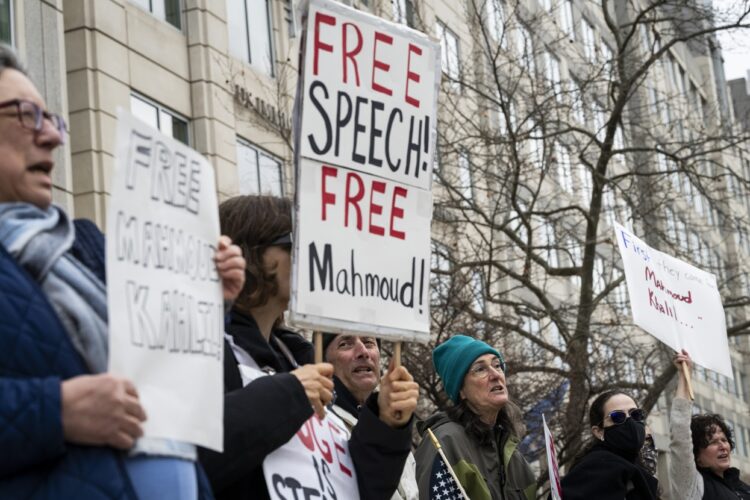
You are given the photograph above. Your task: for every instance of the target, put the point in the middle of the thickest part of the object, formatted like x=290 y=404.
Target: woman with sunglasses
x=271 y=385
x=479 y=433
x=609 y=467
x=707 y=472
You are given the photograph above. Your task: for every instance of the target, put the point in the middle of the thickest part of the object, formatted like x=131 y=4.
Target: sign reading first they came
x=366 y=143
x=164 y=293
x=675 y=302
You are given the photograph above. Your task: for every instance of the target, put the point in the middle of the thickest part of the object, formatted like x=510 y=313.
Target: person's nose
x=360 y=349
x=49 y=136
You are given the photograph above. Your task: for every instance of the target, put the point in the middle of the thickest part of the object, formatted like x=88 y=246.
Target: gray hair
x=9 y=59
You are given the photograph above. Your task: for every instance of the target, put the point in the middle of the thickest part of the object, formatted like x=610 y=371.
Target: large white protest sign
x=315 y=463
x=552 y=468
x=366 y=143
x=675 y=302
x=164 y=293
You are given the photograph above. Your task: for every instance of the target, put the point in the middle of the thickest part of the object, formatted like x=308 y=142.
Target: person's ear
x=598 y=432
x=461 y=395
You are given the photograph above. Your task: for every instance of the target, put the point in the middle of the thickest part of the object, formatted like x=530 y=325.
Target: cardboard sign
x=164 y=293
x=675 y=302
x=366 y=143
x=552 y=468
x=315 y=463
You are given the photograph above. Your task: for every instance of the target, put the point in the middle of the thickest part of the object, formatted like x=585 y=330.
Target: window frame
x=241 y=141
x=247 y=56
x=442 y=31
x=160 y=108
x=11 y=24
x=161 y=14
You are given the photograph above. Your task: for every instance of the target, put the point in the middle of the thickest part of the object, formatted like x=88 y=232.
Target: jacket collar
x=246 y=334
x=344 y=398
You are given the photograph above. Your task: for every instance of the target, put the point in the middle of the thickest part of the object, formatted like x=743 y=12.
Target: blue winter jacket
x=36 y=355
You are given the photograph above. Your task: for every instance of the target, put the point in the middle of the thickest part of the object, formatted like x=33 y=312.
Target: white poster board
x=164 y=293
x=366 y=144
x=675 y=302
x=552 y=468
x=315 y=463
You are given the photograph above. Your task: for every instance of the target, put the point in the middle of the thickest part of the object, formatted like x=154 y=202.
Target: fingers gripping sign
x=398 y=396
x=231 y=267
x=317 y=380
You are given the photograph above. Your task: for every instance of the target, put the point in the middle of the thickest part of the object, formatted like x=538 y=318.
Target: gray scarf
x=39 y=240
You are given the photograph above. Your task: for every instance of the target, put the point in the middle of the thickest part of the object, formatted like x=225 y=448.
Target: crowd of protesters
x=70 y=430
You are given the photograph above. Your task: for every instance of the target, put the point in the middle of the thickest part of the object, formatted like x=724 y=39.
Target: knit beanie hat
x=453 y=358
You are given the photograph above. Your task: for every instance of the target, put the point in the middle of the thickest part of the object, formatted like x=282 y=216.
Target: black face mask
x=625 y=439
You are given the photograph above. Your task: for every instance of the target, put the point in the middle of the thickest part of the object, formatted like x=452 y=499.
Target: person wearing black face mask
x=609 y=467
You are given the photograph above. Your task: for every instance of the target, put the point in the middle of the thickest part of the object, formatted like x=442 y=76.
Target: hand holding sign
x=318 y=384
x=101 y=410
x=231 y=267
x=684 y=367
x=398 y=395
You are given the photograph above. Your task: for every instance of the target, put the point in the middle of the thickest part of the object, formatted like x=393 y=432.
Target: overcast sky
x=735 y=45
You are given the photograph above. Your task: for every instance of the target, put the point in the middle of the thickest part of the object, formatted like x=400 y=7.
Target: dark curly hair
x=703 y=427
x=253 y=222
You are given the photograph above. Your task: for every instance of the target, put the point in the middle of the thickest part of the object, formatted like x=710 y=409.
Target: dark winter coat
x=36 y=355
x=605 y=475
x=495 y=471
x=265 y=414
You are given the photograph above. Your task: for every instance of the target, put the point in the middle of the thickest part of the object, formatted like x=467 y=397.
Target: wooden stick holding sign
x=318 y=342
x=397 y=354
x=686 y=372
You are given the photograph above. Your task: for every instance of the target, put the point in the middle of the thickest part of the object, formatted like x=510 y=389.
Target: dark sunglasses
x=619 y=417
x=282 y=241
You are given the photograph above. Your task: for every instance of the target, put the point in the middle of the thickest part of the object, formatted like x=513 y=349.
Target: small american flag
x=442 y=484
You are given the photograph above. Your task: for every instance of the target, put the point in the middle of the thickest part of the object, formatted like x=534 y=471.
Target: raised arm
x=685 y=481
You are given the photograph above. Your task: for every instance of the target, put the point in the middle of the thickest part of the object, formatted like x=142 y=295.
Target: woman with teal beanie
x=479 y=433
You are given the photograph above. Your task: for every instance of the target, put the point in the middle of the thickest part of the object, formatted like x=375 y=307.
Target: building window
x=167 y=10
x=564 y=170
x=585 y=184
x=608 y=60
x=526 y=49
x=589 y=40
x=552 y=73
x=465 y=182
x=249 y=27
x=449 y=53
x=577 y=105
x=164 y=120
x=507 y=117
x=549 y=240
x=567 y=19
x=441 y=272
x=496 y=21
x=403 y=12
x=6 y=21
x=258 y=172
x=479 y=302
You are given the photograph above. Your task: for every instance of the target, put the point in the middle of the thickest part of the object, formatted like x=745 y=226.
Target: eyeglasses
x=482 y=370
x=619 y=417
x=32 y=117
